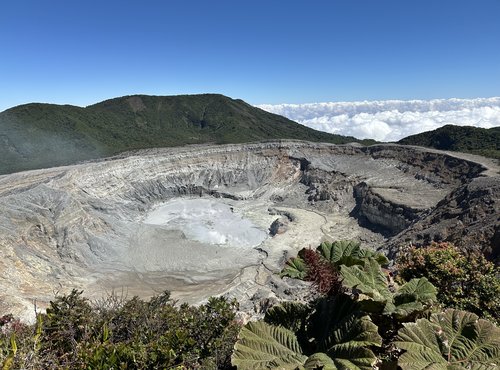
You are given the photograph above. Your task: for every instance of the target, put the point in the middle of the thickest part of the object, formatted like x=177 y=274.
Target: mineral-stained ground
x=208 y=220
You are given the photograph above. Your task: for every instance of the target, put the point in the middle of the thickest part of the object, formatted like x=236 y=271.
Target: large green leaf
x=295 y=268
x=339 y=320
x=365 y=253
x=414 y=296
x=347 y=356
x=416 y=290
x=290 y=315
x=337 y=328
x=340 y=330
x=372 y=287
x=453 y=339
x=370 y=283
x=264 y=346
x=319 y=361
x=335 y=251
x=348 y=359
x=349 y=253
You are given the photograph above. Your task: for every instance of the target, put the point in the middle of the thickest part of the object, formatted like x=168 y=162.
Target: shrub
x=120 y=333
x=465 y=281
x=67 y=322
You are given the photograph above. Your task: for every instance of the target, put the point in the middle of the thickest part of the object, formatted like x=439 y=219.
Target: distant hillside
x=460 y=138
x=46 y=135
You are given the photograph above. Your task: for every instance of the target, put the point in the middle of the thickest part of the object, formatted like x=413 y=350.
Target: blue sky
x=81 y=52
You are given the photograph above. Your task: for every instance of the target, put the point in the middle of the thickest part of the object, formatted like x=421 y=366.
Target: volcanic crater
x=209 y=220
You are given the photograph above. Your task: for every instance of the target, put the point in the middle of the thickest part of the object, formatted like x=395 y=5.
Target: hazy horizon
x=391 y=120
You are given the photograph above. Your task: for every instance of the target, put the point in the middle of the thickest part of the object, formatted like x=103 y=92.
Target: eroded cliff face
x=387 y=217
x=83 y=226
x=469 y=217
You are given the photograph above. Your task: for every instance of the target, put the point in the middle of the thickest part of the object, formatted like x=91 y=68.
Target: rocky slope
x=83 y=226
x=469 y=217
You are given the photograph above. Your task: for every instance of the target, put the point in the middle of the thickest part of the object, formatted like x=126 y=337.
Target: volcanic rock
x=87 y=226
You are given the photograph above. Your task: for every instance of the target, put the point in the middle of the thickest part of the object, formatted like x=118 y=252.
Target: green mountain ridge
x=466 y=139
x=39 y=135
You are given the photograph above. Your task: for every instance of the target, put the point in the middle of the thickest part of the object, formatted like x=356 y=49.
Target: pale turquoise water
x=208 y=221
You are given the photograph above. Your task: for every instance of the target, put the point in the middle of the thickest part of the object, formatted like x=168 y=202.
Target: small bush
x=464 y=281
x=122 y=334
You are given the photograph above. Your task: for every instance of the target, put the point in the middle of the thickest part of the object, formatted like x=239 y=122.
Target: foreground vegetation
x=368 y=318
x=427 y=312
x=122 y=334
x=466 y=281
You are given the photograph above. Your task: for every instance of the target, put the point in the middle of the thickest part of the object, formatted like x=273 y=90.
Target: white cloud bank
x=391 y=120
